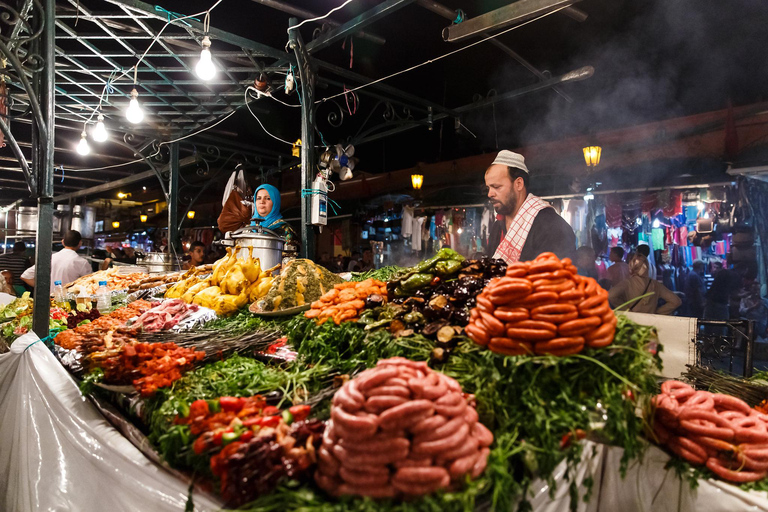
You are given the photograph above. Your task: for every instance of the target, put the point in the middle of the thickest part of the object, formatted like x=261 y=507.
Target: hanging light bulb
x=656 y=223
x=134 y=114
x=99 y=133
x=205 y=68
x=83 y=148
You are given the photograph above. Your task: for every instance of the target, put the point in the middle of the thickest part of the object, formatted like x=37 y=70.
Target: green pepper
x=287 y=417
x=445 y=268
x=414 y=317
x=427 y=264
x=183 y=409
x=376 y=325
x=416 y=281
x=228 y=437
x=367 y=317
x=214 y=406
x=399 y=292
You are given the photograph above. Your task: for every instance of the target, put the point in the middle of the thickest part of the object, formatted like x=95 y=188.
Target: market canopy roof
x=461 y=96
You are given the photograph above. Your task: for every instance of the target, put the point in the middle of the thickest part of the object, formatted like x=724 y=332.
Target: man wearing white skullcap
x=526 y=225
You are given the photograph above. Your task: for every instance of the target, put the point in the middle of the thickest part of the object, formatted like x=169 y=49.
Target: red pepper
x=198 y=408
x=199 y=446
x=250 y=422
x=271 y=421
x=270 y=410
x=565 y=441
x=217 y=437
x=435 y=281
x=231 y=403
x=246 y=436
x=300 y=412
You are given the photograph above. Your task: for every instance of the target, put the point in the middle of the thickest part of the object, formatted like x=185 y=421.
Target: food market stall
x=453 y=384
x=401 y=372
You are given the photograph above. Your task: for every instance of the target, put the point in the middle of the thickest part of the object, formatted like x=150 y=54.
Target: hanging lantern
x=592 y=155
x=191 y=214
x=143 y=218
x=417 y=180
x=115 y=224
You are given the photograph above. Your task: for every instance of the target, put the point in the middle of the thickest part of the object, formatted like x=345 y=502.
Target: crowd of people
x=356 y=262
x=733 y=293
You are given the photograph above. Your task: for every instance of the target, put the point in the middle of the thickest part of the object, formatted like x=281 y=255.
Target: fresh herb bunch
x=380 y=274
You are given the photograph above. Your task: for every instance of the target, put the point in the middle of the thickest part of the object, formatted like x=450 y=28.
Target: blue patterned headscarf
x=273 y=218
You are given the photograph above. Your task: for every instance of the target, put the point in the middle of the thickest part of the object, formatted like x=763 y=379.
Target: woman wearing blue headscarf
x=266 y=203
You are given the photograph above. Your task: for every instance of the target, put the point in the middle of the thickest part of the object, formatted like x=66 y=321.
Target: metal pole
x=173 y=202
x=43 y=163
x=748 y=349
x=307 y=78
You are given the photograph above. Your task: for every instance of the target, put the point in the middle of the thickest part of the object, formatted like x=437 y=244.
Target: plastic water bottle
x=103 y=299
x=59 y=297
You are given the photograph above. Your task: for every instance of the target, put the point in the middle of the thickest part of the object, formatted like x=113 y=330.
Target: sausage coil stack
x=542 y=307
x=400 y=429
x=712 y=429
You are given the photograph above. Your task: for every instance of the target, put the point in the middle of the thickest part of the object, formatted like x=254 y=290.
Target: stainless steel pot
x=267 y=245
x=158 y=262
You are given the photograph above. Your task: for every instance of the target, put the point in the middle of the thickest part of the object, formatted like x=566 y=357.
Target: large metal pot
x=60 y=219
x=26 y=219
x=267 y=245
x=84 y=220
x=158 y=262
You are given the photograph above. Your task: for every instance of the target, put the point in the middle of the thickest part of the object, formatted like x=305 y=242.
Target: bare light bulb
x=656 y=223
x=134 y=113
x=83 y=148
x=205 y=68
x=99 y=133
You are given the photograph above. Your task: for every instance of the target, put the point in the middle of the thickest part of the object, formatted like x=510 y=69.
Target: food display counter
x=453 y=384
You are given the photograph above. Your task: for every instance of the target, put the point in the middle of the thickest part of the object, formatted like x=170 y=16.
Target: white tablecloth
x=58 y=453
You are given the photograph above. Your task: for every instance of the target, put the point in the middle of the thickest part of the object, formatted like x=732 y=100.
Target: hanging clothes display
x=674 y=205
x=407 y=221
x=416 y=234
x=613 y=211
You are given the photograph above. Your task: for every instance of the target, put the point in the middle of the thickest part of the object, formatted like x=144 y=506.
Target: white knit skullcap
x=511 y=159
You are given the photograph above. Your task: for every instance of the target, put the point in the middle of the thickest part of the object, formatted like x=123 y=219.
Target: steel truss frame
x=88 y=68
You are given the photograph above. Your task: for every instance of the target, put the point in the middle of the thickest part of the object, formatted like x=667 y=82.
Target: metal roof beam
x=572 y=76
x=449 y=14
x=304 y=14
x=384 y=88
x=130 y=48
x=162 y=43
x=511 y=14
x=356 y=24
x=112 y=185
x=115 y=54
x=261 y=49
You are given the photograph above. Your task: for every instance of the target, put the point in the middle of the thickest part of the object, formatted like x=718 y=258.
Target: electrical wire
x=430 y=61
x=157 y=152
x=135 y=68
x=248 y=104
x=319 y=17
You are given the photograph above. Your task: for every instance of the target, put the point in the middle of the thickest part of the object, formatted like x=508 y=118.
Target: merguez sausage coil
x=714 y=430
x=400 y=429
x=542 y=307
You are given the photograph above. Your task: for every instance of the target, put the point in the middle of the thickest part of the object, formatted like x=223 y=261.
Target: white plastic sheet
x=58 y=453
x=648 y=486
